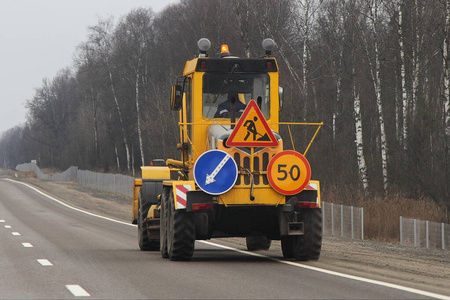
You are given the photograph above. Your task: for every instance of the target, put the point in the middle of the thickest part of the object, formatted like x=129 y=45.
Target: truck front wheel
x=164 y=221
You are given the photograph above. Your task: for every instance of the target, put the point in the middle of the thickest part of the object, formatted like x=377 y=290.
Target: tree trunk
x=138 y=116
x=116 y=101
x=405 y=100
x=359 y=144
x=375 y=72
x=446 y=96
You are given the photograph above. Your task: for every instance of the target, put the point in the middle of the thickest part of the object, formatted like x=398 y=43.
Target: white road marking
x=69 y=206
x=45 y=262
x=27 y=245
x=15 y=233
x=7 y=226
x=291 y=263
x=77 y=290
x=2 y=221
x=338 y=274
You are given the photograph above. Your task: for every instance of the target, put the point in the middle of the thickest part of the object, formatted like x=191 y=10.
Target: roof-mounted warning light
x=203 y=45
x=224 y=51
x=269 y=45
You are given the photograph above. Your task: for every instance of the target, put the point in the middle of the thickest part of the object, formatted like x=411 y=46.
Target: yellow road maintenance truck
x=234 y=177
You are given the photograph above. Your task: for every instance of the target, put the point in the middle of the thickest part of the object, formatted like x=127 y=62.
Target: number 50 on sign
x=289 y=172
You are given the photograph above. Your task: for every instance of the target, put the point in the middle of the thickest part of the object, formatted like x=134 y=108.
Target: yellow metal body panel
x=241 y=196
x=189 y=67
x=155 y=173
x=153 y=212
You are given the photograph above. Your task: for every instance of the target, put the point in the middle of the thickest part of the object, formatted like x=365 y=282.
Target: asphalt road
x=51 y=251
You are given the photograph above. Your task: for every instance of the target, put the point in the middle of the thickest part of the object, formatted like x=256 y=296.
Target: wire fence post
x=342 y=220
x=401 y=231
x=415 y=232
x=427 y=234
x=351 y=217
x=443 y=236
x=332 y=219
x=323 y=218
x=362 y=223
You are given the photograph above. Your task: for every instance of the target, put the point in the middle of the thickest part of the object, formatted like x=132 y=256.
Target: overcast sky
x=38 y=38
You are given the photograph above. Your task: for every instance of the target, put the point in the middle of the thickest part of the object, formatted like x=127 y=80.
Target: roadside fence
x=344 y=221
x=111 y=183
x=419 y=233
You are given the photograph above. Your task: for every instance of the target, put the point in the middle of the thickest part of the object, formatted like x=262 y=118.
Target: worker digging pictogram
x=252 y=130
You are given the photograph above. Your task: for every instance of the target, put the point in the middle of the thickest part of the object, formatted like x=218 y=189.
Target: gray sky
x=38 y=38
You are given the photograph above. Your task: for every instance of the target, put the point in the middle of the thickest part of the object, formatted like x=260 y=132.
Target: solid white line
x=77 y=290
x=295 y=264
x=15 y=233
x=7 y=226
x=325 y=271
x=27 y=245
x=45 y=262
x=69 y=206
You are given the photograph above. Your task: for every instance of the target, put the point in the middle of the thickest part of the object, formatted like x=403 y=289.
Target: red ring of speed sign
x=289 y=172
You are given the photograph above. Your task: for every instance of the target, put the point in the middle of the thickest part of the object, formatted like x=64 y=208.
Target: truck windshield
x=218 y=88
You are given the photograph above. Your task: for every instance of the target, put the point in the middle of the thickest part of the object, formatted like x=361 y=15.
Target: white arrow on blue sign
x=215 y=172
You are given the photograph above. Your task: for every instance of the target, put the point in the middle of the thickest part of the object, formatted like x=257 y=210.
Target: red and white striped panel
x=180 y=195
x=311 y=186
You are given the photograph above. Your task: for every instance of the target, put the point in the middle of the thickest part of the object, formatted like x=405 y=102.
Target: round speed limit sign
x=289 y=172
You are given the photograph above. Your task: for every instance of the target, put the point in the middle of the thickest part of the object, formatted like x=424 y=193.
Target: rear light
x=307 y=204
x=202 y=206
x=203 y=65
x=269 y=66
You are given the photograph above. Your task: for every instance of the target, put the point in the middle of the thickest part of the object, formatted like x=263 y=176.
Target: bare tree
x=375 y=71
x=101 y=40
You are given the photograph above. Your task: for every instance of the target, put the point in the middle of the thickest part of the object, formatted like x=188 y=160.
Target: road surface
x=49 y=250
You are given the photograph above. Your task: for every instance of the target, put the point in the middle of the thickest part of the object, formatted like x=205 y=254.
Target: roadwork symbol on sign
x=252 y=130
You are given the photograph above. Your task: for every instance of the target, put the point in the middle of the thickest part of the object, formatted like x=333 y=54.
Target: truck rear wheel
x=308 y=245
x=259 y=242
x=180 y=232
x=164 y=219
x=145 y=242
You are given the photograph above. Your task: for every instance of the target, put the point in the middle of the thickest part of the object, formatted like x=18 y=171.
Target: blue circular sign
x=215 y=172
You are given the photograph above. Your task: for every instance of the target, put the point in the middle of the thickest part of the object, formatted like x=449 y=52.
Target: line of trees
x=376 y=72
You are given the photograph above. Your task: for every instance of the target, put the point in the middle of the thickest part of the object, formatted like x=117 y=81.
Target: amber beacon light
x=224 y=51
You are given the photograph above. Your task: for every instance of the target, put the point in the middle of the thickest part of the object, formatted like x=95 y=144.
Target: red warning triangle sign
x=252 y=130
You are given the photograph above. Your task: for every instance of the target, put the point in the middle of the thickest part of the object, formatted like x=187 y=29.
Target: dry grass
x=381 y=215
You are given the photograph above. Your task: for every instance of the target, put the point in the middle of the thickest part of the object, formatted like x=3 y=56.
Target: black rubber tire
x=308 y=245
x=164 y=221
x=145 y=243
x=259 y=242
x=287 y=246
x=180 y=232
